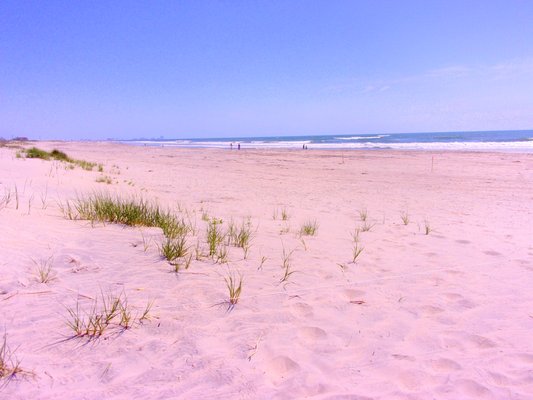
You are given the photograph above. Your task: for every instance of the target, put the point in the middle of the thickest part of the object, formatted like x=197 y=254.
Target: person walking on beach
x=238 y=146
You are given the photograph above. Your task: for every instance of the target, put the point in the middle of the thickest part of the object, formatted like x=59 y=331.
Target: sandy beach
x=438 y=304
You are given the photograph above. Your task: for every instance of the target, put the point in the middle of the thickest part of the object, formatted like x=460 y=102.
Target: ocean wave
x=517 y=146
x=359 y=137
x=453 y=146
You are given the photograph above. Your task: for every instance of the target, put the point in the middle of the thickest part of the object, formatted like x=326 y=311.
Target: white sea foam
x=360 y=137
x=517 y=146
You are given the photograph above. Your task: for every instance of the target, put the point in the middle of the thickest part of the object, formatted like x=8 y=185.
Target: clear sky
x=127 y=69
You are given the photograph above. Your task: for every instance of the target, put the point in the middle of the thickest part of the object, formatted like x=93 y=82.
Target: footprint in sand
x=444 y=364
x=354 y=294
x=302 y=310
x=311 y=334
x=281 y=368
x=482 y=342
x=473 y=389
x=453 y=296
x=492 y=253
x=461 y=303
x=431 y=310
x=462 y=241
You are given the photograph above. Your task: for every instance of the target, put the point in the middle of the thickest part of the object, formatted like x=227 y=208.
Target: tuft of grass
x=355 y=235
x=241 y=236
x=197 y=251
x=104 y=179
x=125 y=314
x=427 y=227
x=284 y=214
x=214 y=235
x=263 y=260
x=356 y=251
x=363 y=214
x=222 y=254
x=234 y=286
x=5 y=199
x=174 y=248
x=286 y=265
x=45 y=272
x=9 y=364
x=34 y=152
x=309 y=228
x=405 y=218
x=100 y=207
x=115 y=312
x=145 y=316
x=58 y=155
x=16 y=198
x=366 y=227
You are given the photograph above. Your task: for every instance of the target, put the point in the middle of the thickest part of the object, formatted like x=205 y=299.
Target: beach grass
x=355 y=235
x=100 y=207
x=309 y=228
x=214 y=235
x=427 y=227
x=5 y=200
x=44 y=270
x=367 y=227
x=174 y=248
x=286 y=265
x=405 y=217
x=34 y=152
x=104 y=179
x=234 y=286
x=357 y=249
x=115 y=312
x=9 y=364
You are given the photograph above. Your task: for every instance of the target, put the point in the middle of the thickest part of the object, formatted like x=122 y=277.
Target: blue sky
x=126 y=69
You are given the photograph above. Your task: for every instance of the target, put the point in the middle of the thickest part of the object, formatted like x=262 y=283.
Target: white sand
x=447 y=315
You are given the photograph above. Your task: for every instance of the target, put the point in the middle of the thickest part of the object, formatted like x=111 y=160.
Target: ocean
x=507 y=141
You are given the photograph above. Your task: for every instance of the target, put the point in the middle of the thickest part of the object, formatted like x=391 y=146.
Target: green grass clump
x=101 y=207
x=214 y=235
x=174 y=248
x=309 y=228
x=34 y=152
x=240 y=236
x=114 y=312
x=234 y=287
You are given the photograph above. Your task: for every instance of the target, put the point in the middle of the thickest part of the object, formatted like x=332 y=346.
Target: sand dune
x=447 y=315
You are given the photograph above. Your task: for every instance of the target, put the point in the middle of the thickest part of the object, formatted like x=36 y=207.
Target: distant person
x=231 y=146
x=238 y=146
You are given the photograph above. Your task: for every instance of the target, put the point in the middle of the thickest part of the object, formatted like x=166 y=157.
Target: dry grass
x=44 y=270
x=405 y=217
x=9 y=364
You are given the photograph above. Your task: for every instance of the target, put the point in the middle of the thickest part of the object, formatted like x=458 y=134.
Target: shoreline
x=281 y=150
